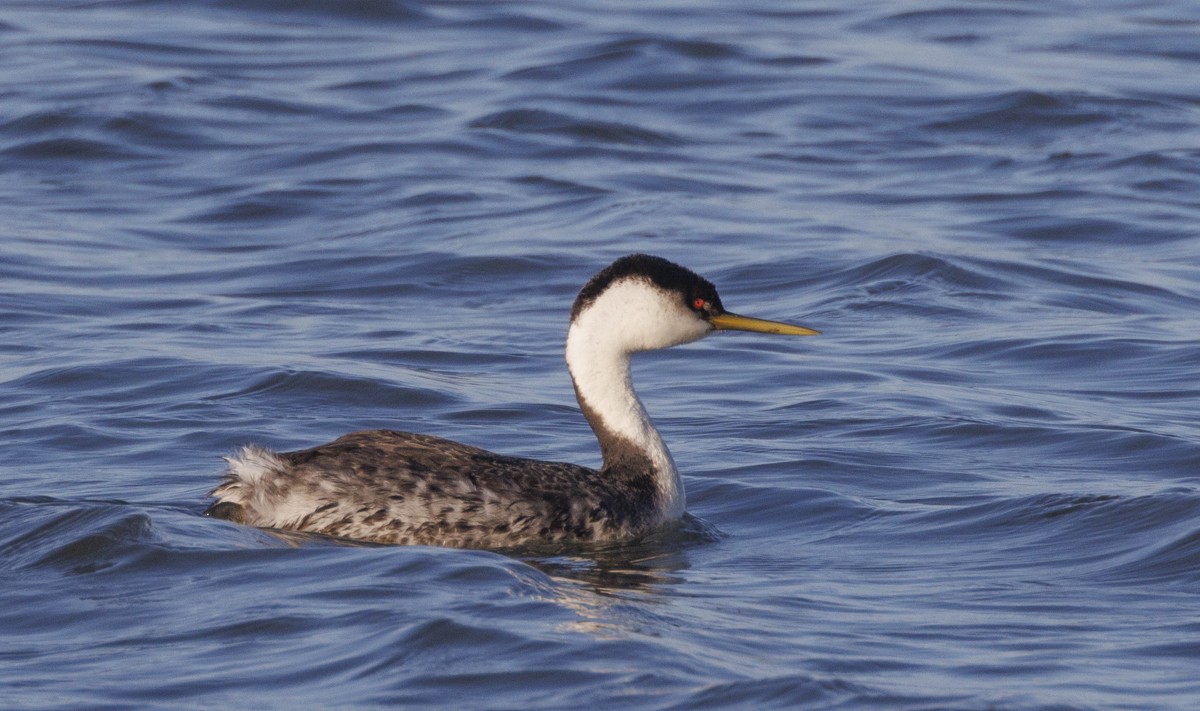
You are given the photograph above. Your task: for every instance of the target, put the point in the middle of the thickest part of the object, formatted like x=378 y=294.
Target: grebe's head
x=641 y=302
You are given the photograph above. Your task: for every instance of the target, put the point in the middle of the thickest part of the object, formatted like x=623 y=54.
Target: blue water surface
x=279 y=221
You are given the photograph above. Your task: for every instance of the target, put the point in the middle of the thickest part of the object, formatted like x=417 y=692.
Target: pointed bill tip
x=734 y=322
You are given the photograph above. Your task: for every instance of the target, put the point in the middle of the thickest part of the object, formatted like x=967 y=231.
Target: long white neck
x=600 y=342
x=605 y=391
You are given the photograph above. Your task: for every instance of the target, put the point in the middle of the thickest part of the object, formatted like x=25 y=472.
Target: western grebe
x=397 y=487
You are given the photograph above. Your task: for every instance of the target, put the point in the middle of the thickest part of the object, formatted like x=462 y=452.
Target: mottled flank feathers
x=398 y=487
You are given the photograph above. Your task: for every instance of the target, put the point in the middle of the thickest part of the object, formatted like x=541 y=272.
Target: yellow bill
x=733 y=322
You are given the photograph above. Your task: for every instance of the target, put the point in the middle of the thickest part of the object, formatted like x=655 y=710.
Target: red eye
x=698 y=304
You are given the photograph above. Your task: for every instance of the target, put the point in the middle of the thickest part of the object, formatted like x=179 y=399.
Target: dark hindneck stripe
x=624 y=462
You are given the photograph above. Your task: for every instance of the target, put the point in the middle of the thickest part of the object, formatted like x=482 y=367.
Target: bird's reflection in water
x=612 y=590
x=635 y=566
x=609 y=590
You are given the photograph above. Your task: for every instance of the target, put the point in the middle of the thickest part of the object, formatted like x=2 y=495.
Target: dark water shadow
x=642 y=565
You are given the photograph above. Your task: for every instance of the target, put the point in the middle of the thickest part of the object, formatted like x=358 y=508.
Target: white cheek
x=638 y=316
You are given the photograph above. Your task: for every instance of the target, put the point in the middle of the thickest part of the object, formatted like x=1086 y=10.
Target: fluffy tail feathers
x=242 y=488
